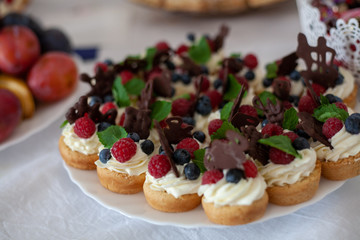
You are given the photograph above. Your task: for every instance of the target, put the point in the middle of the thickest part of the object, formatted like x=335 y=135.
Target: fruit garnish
x=212 y=176
x=331 y=127
x=188 y=144
x=159 y=166
x=279 y=157
x=282 y=143
x=110 y=135
x=124 y=149
x=84 y=127
x=291 y=119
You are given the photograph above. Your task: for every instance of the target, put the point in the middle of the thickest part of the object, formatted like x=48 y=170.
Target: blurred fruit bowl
x=8 y=6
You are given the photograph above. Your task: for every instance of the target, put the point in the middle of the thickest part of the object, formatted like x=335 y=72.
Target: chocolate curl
x=225 y=77
x=175 y=133
x=274 y=113
x=236 y=104
x=313 y=95
x=287 y=65
x=219 y=39
x=166 y=146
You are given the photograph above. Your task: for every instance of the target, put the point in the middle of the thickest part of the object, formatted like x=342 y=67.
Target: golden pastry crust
x=162 y=201
x=301 y=191
x=350 y=101
x=342 y=169
x=120 y=182
x=261 y=3
x=238 y=214
x=76 y=159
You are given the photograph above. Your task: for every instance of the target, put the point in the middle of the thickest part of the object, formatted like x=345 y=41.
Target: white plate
x=135 y=205
x=45 y=114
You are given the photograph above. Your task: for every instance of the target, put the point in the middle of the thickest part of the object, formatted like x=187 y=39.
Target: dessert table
x=38 y=200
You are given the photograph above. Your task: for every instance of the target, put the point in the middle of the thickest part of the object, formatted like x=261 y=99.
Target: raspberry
x=318 y=89
x=159 y=166
x=291 y=135
x=250 y=169
x=287 y=105
x=124 y=149
x=180 y=107
x=272 y=130
x=122 y=120
x=126 y=76
x=182 y=49
x=248 y=110
x=84 y=127
x=107 y=106
x=162 y=46
x=163 y=123
x=243 y=82
x=215 y=98
x=212 y=176
x=279 y=157
x=204 y=86
x=189 y=144
x=250 y=61
x=101 y=65
x=307 y=104
x=331 y=127
x=214 y=125
x=341 y=106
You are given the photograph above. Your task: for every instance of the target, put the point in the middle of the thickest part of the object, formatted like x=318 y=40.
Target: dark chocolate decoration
x=162 y=84
x=274 y=113
x=175 y=131
x=101 y=84
x=192 y=108
x=313 y=95
x=138 y=121
x=190 y=67
x=236 y=104
x=225 y=76
x=219 y=39
x=131 y=64
x=234 y=66
x=241 y=120
x=313 y=128
x=281 y=88
x=161 y=56
x=287 y=65
x=256 y=150
x=81 y=107
x=318 y=70
x=166 y=146
x=146 y=95
x=226 y=155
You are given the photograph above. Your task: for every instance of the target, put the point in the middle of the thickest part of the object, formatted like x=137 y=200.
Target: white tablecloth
x=38 y=199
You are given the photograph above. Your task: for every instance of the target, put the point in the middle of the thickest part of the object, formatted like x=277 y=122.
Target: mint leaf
x=64 y=123
x=235 y=55
x=134 y=86
x=120 y=95
x=111 y=135
x=199 y=159
x=263 y=98
x=271 y=70
x=234 y=88
x=221 y=132
x=185 y=95
x=225 y=111
x=290 y=119
x=324 y=100
x=324 y=112
x=160 y=110
x=149 y=57
x=282 y=143
x=134 y=57
x=200 y=53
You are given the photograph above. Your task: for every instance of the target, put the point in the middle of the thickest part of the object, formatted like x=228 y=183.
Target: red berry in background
x=126 y=76
x=291 y=135
x=84 y=127
x=19 y=49
x=331 y=127
x=341 y=106
x=155 y=72
x=163 y=123
x=250 y=169
x=159 y=166
x=215 y=98
x=287 y=105
x=279 y=157
x=107 y=106
x=204 y=86
x=306 y=104
x=248 y=110
x=250 y=61
x=162 y=46
x=182 y=49
x=243 y=82
x=124 y=149
x=10 y=112
x=212 y=176
x=214 y=125
x=272 y=130
x=122 y=120
x=189 y=144
x=211 y=44
x=180 y=107
x=53 y=77
x=100 y=65
x=318 y=89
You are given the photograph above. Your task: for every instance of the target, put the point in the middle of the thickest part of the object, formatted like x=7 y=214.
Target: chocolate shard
x=274 y=113
x=162 y=85
x=219 y=39
x=161 y=56
x=131 y=64
x=146 y=95
x=190 y=67
x=282 y=89
x=192 y=108
x=313 y=128
x=236 y=104
x=175 y=132
x=313 y=95
x=101 y=84
x=227 y=155
x=234 y=66
x=256 y=150
x=287 y=65
x=241 y=120
x=318 y=69
x=166 y=146
x=137 y=121
x=225 y=76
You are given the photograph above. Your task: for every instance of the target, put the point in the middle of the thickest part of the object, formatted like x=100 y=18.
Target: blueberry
x=162 y=153
x=189 y=121
x=204 y=70
x=109 y=62
x=199 y=135
x=186 y=79
x=239 y=60
x=250 y=75
x=263 y=123
x=55 y=40
x=191 y=37
x=147 y=146
x=267 y=82
x=162 y=150
x=294 y=99
x=181 y=156
x=301 y=133
x=175 y=77
x=170 y=65
x=234 y=175
x=94 y=100
x=203 y=106
x=218 y=83
x=134 y=136
x=109 y=98
x=301 y=143
x=339 y=80
x=352 y=123
x=104 y=155
x=295 y=75
x=332 y=98
x=192 y=171
x=103 y=126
